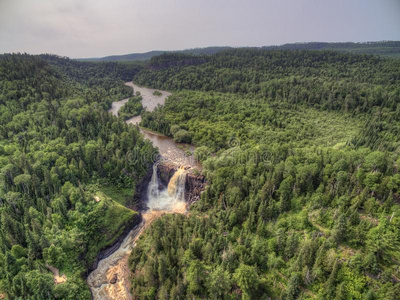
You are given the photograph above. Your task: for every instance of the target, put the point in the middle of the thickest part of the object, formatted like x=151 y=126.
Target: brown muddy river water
x=170 y=200
x=169 y=150
x=111 y=278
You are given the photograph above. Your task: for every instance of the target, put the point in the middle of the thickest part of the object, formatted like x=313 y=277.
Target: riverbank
x=170 y=151
x=149 y=100
x=110 y=277
x=109 y=250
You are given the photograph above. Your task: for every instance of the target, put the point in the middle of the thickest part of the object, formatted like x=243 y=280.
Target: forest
x=132 y=108
x=301 y=153
x=300 y=150
x=58 y=147
x=383 y=48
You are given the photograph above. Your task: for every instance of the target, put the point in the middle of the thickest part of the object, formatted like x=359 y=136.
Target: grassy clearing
x=112 y=218
x=120 y=195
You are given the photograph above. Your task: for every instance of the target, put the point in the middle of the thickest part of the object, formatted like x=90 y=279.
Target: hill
x=384 y=48
x=150 y=54
x=304 y=185
x=58 y=146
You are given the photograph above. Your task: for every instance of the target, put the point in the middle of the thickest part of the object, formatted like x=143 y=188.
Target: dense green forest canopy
x=58 y=146
x=384 y=49
x=132 y=108
x=148 y=55
x=301 y=153
x=93 y=73
x=326 y=80
x=300 y=150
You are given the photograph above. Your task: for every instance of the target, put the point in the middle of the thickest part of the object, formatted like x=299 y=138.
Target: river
x=169 y=150
x=111 y=278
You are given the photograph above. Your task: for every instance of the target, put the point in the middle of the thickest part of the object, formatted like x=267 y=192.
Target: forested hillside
x=58 y=147
x=384 y=49
x=148 y=55
x=325 y=80
x=301 y=153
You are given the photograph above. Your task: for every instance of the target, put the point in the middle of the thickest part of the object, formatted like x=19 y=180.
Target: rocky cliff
x=194 y=183
x=106 y=252
x=165 y=171
x=138 y=202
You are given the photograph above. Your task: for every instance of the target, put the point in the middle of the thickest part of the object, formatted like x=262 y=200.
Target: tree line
x=300 y=152
x=57 y=143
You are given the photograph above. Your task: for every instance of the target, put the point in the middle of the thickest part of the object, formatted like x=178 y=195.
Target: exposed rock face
x=106 y=252
x=138 y=203
x=165 y=171
x=114 y=278
x=194 y=184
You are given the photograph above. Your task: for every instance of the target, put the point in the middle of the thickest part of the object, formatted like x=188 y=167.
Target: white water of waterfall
x=176 y=185
x=170 y=197
x=153 y=189
x=169 y=200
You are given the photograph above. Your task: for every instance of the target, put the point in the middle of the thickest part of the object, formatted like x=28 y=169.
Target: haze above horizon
x=100 y=28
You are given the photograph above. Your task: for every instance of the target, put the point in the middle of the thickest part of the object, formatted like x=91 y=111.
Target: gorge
x=171 y=189
x=300 y=149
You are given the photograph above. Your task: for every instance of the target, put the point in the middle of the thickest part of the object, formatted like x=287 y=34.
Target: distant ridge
x=150 y=54
x=382 y=48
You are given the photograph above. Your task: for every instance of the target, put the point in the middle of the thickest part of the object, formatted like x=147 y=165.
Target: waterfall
x=152 y=190
x=173 y=195
x=176 y=185
x=169 y=200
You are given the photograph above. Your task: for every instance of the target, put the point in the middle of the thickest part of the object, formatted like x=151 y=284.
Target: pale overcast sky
x=94 y=28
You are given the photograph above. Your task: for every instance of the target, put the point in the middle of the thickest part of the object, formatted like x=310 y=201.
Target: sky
x=96 y=28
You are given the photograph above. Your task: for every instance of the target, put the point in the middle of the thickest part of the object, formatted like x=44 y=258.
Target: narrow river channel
x=169 y=150
x=111 y=278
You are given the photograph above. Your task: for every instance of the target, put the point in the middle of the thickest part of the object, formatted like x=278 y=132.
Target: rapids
x=111 y=278
x=115 y=266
